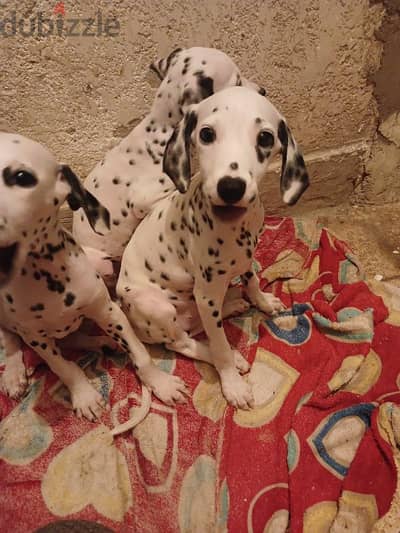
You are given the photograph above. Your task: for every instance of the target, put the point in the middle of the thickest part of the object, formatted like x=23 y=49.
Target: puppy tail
x=140 y=414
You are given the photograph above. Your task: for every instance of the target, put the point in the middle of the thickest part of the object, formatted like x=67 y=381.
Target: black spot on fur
x=205 y=83
x=69 y=299
x=37 y=307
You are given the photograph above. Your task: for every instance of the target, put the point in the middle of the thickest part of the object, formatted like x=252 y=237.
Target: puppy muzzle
x=231 y=202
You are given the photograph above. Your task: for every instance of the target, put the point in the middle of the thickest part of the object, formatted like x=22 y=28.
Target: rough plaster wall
x=382 y=179
x=79 y=96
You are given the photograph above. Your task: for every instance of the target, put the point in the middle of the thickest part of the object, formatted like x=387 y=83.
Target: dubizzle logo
x=58 y=24
x=59 y=9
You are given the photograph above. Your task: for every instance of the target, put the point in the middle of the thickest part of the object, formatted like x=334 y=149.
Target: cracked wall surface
x=323 y=63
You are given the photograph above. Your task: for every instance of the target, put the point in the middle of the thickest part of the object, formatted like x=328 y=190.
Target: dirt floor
x=373 y=232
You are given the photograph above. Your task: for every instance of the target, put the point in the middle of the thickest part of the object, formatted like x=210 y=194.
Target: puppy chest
x=51 y=307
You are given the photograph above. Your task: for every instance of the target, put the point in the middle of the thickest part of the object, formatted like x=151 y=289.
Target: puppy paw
x=237 y=392
x=168 y=388
x=13 y=381
x=270 y=304
x=87 y=402
x=241 y=363
x=235 y=307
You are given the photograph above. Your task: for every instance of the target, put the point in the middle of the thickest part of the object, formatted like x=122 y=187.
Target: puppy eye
x=207 y=135
x=265 y=139
x=25 y=179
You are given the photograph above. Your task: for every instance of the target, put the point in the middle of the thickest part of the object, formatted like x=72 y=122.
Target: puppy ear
x=161 y=66
x=176 y=161
x=294 y=176
x=97 y=215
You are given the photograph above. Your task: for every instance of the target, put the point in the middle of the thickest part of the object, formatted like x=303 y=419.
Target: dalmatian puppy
x=130 y=179
x=47 y=285
x=180 y=261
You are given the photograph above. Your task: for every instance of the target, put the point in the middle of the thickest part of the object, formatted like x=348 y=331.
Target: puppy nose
x=231 y=190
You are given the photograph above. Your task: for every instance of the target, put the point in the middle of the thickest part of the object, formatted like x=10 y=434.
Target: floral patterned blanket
x=314 y=455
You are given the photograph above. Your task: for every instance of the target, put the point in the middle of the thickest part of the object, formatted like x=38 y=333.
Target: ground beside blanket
x=317 y=447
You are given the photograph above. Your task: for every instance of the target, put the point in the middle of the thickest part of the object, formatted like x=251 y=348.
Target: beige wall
x=323 y=63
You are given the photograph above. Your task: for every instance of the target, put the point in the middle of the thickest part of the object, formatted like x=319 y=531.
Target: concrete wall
x=325 y=63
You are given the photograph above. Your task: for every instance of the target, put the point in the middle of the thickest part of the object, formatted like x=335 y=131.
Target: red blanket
x=314 y=455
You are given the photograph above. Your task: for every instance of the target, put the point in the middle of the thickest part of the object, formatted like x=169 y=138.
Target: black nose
x=231 y=190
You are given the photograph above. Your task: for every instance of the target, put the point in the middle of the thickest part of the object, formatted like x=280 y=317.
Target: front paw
x=270 y=304
x=13 y=381
x=241 y=364
x=236 y=390
x=235 y=307
x=168 y=388
x=86 y=401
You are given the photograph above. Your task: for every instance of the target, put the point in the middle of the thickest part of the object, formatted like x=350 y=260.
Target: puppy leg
x=265 y=301
x=108 y=315
x=209 y=299
x=13 y=379
x=234 y=305
x=86 y=401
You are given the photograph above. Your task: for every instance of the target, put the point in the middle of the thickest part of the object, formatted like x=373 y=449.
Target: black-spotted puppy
x=194 y=242
x=130 y=179
x=47 y=285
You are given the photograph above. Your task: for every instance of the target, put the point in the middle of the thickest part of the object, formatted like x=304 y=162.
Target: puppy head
x=193 y=74
x=32 y=188
x=236 y=133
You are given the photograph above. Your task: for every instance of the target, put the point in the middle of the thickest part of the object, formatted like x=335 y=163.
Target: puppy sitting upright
x=47 y=285
x=194 y=243
x=129 y=181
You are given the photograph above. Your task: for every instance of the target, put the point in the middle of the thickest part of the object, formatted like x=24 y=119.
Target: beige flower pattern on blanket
x=24 y=434
x=91 y=471
x=271 y=379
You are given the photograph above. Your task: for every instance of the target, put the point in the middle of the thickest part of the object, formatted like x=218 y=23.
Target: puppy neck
x=44 y=235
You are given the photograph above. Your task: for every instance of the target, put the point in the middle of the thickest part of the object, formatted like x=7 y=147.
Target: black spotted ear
x=161 y=66
x=97 y=215
x=176 y=161
x=294 y=176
